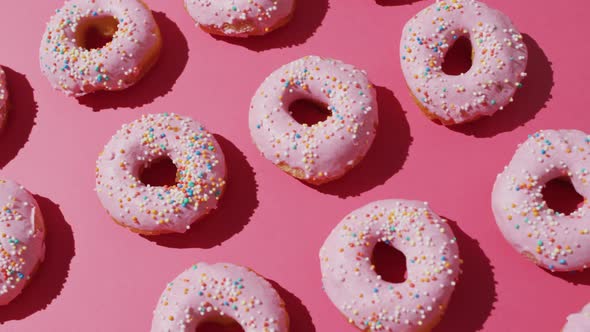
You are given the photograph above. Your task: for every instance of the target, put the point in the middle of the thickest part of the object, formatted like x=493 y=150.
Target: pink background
x=100 y=277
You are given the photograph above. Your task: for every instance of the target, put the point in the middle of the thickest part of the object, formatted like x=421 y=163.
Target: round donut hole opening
x=561 y=196
x=219 y=325
x=309 y=112
x=96 y=32
x=459 y=57
x=159 y=173
x=389 y=263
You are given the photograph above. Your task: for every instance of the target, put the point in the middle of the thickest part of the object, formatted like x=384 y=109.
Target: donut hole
x=389 y=263
x=459 y=57
x=96 y=32
x=224 y=324
x=309 y=112
x=561 y=196
x=159 y=173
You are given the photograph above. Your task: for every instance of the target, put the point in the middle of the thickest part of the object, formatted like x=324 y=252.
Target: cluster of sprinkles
x=11 y=249
x=206 y=292
x=238 y=17
x=499 y=60
x=350 y=100
x=200 y=179
x=552 y=239
x=77 y=70
x=432 y=266
x=21 y=241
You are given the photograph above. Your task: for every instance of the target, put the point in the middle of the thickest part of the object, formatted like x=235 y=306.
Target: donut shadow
x=22 y=111
x=528 y=101
x=465 y=311
x=299 y=318
x=48 y=282
x=307 y=18
x=158 y=82
x=390 y=3
x=235 y=209
x=386 y=156
x=573 y=277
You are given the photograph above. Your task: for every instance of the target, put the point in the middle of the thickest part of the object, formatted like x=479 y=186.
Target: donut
x=499 y=60
x=75 y=68
x=327 y=150
x=550 y=239
x=220 y=293
x=3 y=99
x=240 y=18
x=578 y=322
x=367 y=301
x=145 y=209
x=22 y=239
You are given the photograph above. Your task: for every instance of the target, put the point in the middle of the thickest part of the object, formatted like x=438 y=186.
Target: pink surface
x=98 y=276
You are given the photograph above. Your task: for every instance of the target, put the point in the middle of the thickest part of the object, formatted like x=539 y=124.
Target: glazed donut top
x=200 y=173
x=78 y=71
x=21 y=239
x=499 y=59
x=208 y=292
x=229 y=16
x=326 y=149
x=578 y=322
x=432 y=261
x=554 y=240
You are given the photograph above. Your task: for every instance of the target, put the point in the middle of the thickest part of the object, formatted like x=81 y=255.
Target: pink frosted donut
x=3 y=99
x=22 y=236
x=74 y=68
x=552 y=240
x=368 y=302
x=220 y=293
x=578 y=322
x=145 y=209
x=499 y=60
x=240 y=18
x=326 y=150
